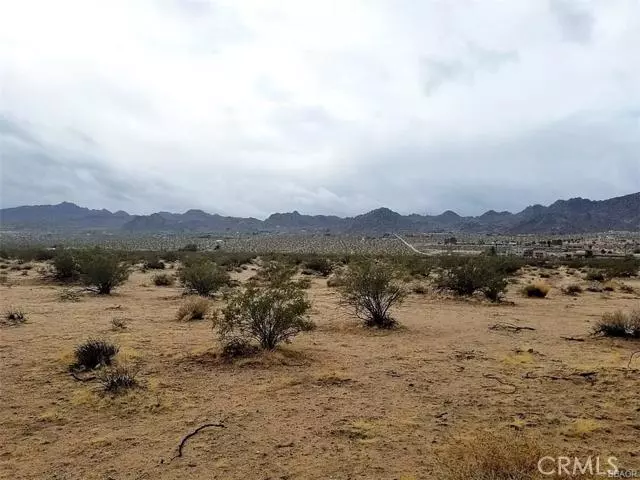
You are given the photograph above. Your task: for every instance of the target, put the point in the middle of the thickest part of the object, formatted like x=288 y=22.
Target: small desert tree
x=371 y=289
x=269 y=313
x=203 y=278
x=102 y=270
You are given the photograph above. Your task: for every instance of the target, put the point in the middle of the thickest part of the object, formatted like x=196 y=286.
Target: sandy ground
x=339 y=402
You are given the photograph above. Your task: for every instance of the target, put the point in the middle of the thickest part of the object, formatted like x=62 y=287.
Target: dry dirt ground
x=339 y=402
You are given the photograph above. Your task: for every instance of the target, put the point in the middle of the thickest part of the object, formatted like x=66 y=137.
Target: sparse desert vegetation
x=478 y=383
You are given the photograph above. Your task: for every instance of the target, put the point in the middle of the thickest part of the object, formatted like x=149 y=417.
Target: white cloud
x=248 y=107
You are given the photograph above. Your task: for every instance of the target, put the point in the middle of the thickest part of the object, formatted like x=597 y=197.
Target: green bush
x=275 y=272
x=203 y=278
x=267 y=314
x=154 y=264
x=163 y=280
x=65 y=266
x=190 y=247
x=475 y=274
x=102 y=270
x=320 y=265
x=371 y=288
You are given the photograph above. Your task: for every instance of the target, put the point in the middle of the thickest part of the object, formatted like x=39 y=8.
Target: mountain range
x=577 y=215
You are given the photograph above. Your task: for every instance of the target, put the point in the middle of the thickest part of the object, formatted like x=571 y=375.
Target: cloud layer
x=250 y=107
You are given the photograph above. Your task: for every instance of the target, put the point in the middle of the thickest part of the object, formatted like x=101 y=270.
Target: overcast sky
x=247 y=107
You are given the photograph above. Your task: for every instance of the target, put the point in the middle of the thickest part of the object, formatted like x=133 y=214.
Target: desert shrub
x=595 y=276
x=163 y=280
x=119 y=323
x=237 y=347
x=572 y=289
x=335 y=280
x=595 y=287
x=319 y=265
x=118 y=378
x=491 y=457
x=371 y=288
x=170 y=256
x=190 y=247
x=624 y=288
x=624 y=267
x=65 y=267
x=275 y=272
x=268 y=314
x=155 y=264
x=69 y=295
x=419 y=288
x=93 y=354
x=536 y=290
x=14 y=316
x=30 y=253
x=232 y=261
x=609 y=287
x=203 y=278
x=619 y=324
x=195 y=308
x=472 y=275
x=102 y=270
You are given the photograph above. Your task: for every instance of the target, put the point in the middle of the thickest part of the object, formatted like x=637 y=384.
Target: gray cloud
x=574 y=20
x=438 y=72
x=246 y=108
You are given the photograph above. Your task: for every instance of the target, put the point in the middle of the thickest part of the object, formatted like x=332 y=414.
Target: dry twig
x=195 y=432
x=509 y=326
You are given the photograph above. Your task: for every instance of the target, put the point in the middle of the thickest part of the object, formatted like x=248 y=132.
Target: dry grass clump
x=619 y=324
x=93 y=354
x=195 y=308
x=163 y=280
x=536 y=290
x=14 y=316
x=491 y=457
x=69 y=295
x=572 y=290
x=117 y=379
x=118 y=323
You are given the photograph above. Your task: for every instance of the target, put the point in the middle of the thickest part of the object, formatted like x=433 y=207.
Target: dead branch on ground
x=195 y=432
x=509 y=326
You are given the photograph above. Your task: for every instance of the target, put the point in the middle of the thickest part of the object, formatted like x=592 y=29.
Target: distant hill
x=577 y=215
